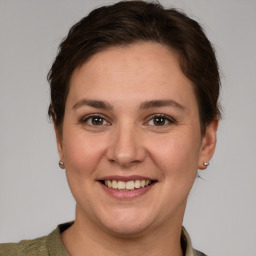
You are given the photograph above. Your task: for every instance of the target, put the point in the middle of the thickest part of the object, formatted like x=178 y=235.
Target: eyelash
x=165 y=118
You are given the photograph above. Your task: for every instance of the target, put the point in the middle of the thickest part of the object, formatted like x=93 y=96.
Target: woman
x=134 y=102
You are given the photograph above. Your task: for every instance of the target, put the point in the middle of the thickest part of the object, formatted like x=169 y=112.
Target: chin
x=127 y=224
x=127 y=229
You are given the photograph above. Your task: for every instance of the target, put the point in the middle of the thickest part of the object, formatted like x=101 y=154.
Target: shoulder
x=25 y=247
x=42 y=246
x=8 y=249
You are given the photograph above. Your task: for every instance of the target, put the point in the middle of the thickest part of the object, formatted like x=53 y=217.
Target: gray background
x=34 y=197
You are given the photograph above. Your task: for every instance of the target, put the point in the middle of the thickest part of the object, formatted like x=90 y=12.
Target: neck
x=85 y=238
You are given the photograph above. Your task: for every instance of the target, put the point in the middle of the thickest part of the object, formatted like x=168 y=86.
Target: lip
x=126 y=194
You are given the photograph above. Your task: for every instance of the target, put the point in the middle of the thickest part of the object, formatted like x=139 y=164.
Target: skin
x=127 y=141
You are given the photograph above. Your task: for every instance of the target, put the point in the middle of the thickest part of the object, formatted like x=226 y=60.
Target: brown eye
x=94 y=121
x=97 y=120
x=159 y=121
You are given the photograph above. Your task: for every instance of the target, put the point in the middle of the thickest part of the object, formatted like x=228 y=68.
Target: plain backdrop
x=34 y=196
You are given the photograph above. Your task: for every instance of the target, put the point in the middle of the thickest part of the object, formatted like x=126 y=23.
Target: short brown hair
x=128 y=22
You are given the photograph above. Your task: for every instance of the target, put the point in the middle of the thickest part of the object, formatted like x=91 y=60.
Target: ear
x=59 y=142
x=208 y=144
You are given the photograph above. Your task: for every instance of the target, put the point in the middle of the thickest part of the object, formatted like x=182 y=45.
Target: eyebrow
x=161 y=103
x=145 y=105
x=92 y=103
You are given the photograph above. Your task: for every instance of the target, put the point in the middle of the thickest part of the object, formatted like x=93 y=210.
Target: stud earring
x=61 y=164
x=206 y=164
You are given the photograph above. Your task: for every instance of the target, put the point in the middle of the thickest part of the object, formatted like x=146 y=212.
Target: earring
x=206 y=164
x=61 y=164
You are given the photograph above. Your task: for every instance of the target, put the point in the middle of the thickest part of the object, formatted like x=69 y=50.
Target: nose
x=126 y=146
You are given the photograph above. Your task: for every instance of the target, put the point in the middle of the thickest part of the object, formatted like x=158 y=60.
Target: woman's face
x=132 y=119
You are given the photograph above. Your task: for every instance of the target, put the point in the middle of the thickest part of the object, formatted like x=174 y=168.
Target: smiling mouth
x=127 y=185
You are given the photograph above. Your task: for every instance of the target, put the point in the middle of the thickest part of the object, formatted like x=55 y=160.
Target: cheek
x=82 y=153
x=176 y=154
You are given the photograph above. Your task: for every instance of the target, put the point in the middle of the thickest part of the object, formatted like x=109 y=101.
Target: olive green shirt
x=52 y=245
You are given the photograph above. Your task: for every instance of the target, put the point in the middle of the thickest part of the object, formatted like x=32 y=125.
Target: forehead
x=142 y=69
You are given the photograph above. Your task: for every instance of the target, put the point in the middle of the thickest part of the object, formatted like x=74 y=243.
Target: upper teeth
x=129 y=185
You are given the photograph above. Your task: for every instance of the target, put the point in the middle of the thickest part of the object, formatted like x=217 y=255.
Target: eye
x=160 y=120
x=94 y=120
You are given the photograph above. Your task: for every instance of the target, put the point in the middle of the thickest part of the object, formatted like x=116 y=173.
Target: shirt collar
x=186 y=242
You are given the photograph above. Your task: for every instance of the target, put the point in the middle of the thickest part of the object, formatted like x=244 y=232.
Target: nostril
x=126 y=159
